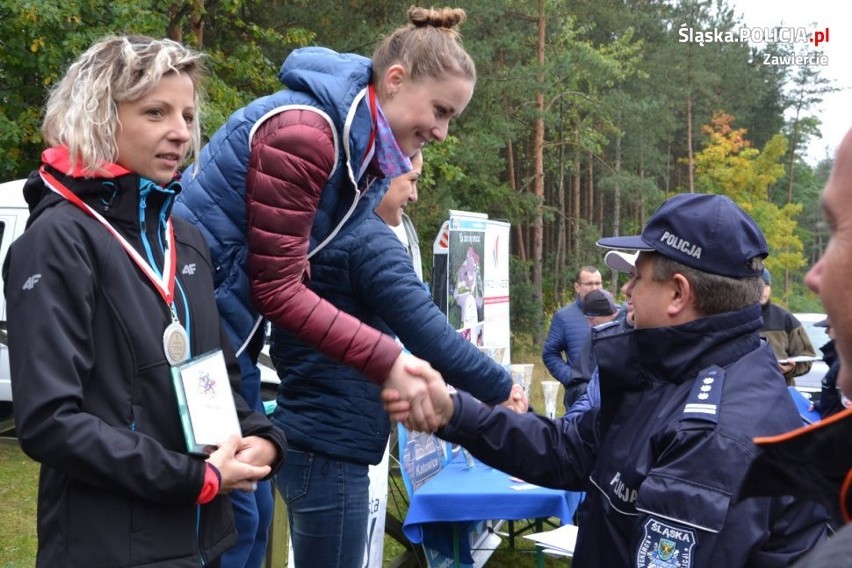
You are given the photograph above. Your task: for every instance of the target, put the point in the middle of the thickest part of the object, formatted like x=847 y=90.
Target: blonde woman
x=101 y=304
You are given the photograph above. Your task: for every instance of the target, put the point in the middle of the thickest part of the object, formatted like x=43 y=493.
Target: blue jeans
x=252 y=516
x=327 y=506
x=252 y=511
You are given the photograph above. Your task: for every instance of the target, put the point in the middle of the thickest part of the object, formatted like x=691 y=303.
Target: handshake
x=416 y=395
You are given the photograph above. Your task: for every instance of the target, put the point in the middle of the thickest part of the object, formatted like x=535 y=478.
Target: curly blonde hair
x=429 y=46
x=82 y=109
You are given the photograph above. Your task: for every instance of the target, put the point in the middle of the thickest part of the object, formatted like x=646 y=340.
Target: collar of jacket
x=108 y=195
x=338 y=83
x=675 y=354
x=829 y=352
x=810 y=463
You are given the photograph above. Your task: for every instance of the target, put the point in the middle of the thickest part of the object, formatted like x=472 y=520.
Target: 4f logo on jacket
x=188 y=269
x=31 y=282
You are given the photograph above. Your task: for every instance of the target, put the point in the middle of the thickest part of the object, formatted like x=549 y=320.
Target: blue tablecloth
x=459 y=493
x=803 y=405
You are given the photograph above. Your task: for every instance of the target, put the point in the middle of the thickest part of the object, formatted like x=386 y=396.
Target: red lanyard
x=165 y=285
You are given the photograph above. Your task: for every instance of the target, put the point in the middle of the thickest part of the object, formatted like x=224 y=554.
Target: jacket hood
x=326 y=75
x=34 y=193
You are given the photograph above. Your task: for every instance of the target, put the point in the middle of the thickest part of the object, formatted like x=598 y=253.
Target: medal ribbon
x=165 y=286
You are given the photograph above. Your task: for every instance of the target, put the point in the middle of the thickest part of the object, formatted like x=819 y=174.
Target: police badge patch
x=665 y=546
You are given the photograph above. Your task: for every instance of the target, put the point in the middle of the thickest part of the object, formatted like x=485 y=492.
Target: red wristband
x=212 y=481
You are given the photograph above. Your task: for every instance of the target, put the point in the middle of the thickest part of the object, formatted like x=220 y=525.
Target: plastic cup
x=522 y=374
x=499 y=353
x=493 y=352
x=551 y=390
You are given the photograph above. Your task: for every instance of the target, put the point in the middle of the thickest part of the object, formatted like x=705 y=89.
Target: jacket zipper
x=144 y=191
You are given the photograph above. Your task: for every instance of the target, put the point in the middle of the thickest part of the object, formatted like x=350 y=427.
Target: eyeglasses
x=598 y=283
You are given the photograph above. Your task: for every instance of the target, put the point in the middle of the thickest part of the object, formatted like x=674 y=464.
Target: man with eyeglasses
x=569 y=330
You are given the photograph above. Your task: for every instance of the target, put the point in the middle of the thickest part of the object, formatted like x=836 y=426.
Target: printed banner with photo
x=470 y=280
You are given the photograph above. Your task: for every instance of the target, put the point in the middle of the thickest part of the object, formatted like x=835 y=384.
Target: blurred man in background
x=569 y=330
x=831 y=400
x=601 y=312
x=785 y=334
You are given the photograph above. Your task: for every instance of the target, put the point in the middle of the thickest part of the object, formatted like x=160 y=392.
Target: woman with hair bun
x=283 y=177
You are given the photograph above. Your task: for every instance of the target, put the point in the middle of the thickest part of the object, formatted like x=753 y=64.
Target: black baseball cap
x=599 y=303
x=710 y=233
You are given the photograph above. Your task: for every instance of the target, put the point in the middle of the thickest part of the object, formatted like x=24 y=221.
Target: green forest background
x=587 y=115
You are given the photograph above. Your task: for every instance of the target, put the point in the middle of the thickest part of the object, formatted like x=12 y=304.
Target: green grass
x=19 y=487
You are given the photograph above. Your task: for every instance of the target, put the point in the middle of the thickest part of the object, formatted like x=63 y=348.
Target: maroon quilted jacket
x=292 y=157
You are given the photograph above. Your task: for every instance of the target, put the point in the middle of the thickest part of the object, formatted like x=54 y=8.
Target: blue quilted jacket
x=215 y=194
x=333 y=409
x=569 y=330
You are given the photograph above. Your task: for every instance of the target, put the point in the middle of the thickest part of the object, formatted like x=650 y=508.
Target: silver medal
x=176 y=343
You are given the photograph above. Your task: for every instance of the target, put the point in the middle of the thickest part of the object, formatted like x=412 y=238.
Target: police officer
x=682 y=396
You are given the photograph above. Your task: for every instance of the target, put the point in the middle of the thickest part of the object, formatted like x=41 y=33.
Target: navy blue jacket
x=664 y=454
x=330 y=408
x=568 y=331
x=830 y=401
x=835 y=552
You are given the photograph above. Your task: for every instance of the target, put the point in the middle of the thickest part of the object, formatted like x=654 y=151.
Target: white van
x=13 y=220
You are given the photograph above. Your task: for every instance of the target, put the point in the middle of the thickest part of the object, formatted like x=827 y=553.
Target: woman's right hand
x=407 y=383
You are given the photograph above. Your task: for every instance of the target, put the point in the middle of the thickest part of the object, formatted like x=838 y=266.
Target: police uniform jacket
x=591 y=395
x=663 y=456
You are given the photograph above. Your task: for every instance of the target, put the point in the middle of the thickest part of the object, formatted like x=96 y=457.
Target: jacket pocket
x=666 y=497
